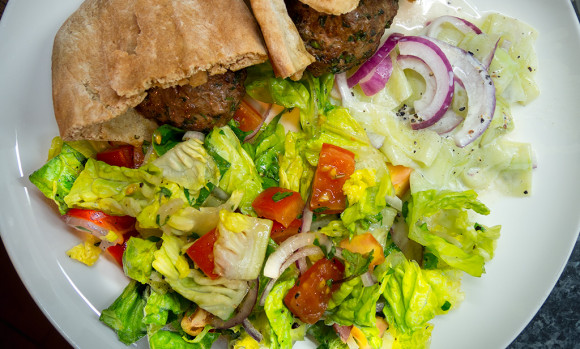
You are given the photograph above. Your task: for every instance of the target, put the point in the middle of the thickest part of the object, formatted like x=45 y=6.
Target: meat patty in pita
x=109 y=54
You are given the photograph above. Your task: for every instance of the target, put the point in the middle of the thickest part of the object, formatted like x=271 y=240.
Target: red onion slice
x=480 y=93
x=428 y=112
x=273 y=266
x=251 y=330
x=450 y=120
x=378 y=78
x=266 y=291
x=419 y=66
x=342 y=331
x=306 y=219
x=243 y=310
x=487 y=59
x=463 y=25
x=367 y=67
x=88 y=226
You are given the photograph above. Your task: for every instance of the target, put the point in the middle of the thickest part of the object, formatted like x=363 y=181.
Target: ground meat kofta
x=341 y=42
x=199 y=108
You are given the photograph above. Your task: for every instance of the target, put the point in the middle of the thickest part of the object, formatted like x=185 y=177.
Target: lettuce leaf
x=56 y=178
x=267 y=148
x=237 y=168
x=219 y=297
x=161 y=309
x=165 y=138
x=440 y=222
x=414 y=296
x=325 y=336
x=137 y=259
x=279 y=316
x=366 y=196
x=172 y=340
x=240 y=248
x=295 y=172
x=189 y=165
x=125 y=315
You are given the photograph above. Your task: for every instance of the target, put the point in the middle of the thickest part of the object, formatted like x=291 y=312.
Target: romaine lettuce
x=240 y=248
x=219 y=297
x=173 y=340
x=440 y=222
x=237 y=169
x=162 y=309
x=413 y=295
x=56 y=178
x=125 y=315
x=137 y=259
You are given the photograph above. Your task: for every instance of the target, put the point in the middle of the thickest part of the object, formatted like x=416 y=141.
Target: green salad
x=348 y=218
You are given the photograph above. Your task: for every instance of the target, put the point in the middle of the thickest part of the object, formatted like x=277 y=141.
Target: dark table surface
x=556 y=325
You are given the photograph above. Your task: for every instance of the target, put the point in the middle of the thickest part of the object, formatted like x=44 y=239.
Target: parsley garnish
x=281 y=195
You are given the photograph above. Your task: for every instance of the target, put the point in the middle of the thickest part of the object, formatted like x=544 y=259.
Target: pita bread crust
x=332 y=7
x=109 y=52
x=288 y=54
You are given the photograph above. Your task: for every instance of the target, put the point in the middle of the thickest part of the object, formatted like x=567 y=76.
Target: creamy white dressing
x=469 y=167
x=413 y=15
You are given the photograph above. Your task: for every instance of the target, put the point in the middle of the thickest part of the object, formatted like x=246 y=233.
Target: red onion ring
x=300 y=254
x=367 y=67
x=306 y=220
x=435 y=59
x=419 y=66
x=244 y=309
x=450 y=120
x=96 y=230
x=251 y=330
x=272 y=268
x=480 y=93
x=342 y=331
x=487 y=59
x=377 y=79
x=463 y=25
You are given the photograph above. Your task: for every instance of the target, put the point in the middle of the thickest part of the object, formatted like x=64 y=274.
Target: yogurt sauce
x=414 y=14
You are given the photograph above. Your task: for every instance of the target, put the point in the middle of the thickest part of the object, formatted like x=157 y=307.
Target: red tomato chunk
x=309 y=298
x=335 y=166
x=279 y=204
x=201 y=252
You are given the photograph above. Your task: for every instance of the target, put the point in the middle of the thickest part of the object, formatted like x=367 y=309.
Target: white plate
x=537 y=236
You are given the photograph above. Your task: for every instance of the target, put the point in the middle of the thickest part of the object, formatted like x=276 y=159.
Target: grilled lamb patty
x=199 y=108
x=341 y=42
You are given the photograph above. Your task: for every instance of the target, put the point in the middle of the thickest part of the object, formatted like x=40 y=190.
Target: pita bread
x=288 y=54
x=109 y=52
x=332 y=7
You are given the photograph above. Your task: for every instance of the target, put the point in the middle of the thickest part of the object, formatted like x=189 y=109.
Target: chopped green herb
x=281 y=195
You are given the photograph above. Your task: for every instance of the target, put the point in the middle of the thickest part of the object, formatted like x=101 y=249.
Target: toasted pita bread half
x=288 y=54
x=332 y=7
x=110 y=52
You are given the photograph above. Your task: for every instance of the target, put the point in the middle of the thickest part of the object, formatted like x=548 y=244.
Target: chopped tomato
x=116 y=251
x=280 y=233
x=365 y=243
x=78 y=217
x=335 y=166
x=400 y=176
x=122 y=156
x=279 y=204
x=308 y=299
x=201 y=252
x=248 y=118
